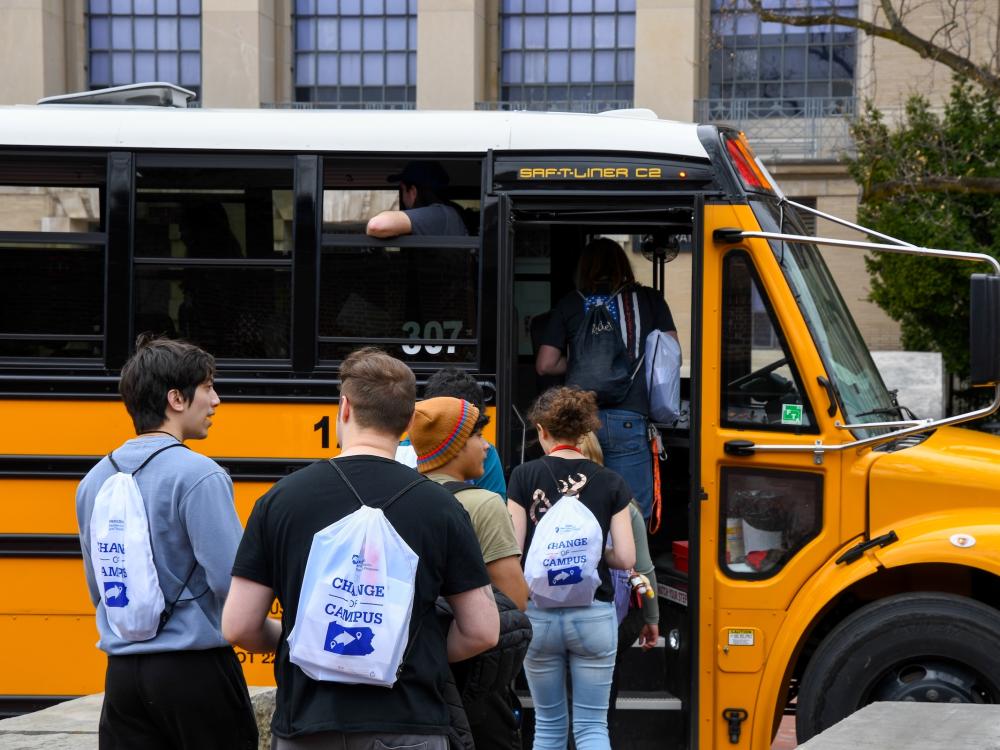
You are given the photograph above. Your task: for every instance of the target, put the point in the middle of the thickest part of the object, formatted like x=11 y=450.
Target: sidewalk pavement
x=73 y=725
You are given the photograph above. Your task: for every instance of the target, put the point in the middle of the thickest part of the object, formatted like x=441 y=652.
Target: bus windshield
x=863 y=395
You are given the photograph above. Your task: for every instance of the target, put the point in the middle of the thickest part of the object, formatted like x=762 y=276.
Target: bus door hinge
x=734 y=717
x=702 y=495
x=854 y=553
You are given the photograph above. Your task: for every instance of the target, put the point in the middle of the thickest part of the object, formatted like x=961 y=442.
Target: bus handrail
x=846 y=223
x=730 y=236
x=733 y=235
x=819 y=448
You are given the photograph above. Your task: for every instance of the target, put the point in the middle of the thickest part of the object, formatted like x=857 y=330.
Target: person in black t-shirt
x=584 y=638
x=604 y=276
x=376 y=406
x=422 y=209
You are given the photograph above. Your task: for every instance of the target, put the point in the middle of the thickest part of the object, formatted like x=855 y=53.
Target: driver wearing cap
x=424 y=210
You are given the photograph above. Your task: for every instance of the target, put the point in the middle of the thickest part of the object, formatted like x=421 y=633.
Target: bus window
x=422 y=293
x=416 y=296
x=767 y=517
x=348 y=211
x=213 y=250
x=53 y=301
x=761 y=386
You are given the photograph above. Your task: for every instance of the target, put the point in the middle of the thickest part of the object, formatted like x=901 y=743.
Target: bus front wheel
x=927 y=647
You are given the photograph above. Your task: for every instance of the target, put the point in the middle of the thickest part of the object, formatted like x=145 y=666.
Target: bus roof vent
x=156 y=94
x=640 y=113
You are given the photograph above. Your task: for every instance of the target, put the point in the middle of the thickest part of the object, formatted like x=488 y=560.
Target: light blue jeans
x=625 y=443
x=585 y=638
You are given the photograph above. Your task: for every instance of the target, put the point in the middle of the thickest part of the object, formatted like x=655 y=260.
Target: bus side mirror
x=984 y=329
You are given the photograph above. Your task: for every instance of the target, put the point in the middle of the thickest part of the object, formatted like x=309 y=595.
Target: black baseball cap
x=428 y=173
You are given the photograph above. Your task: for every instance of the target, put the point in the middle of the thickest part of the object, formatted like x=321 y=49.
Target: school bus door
x=769 y=520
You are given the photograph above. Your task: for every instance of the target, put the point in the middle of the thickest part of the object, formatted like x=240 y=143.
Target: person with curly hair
x=583 y=638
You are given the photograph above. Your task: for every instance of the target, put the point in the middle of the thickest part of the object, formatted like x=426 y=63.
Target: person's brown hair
x=567 y=413
x=382 y=390
x=603 y=261
x=159 y=366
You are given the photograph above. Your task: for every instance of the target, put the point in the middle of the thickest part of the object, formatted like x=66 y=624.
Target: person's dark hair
x=427 y=195
x=382 y=390
x=449 y=381
x=159 y=366
x=566 y=412
x=603 y=261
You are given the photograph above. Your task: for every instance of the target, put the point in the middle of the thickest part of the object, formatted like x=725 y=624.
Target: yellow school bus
x=820 y=548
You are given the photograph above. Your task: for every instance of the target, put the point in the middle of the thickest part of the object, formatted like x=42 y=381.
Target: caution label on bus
x=741 y=637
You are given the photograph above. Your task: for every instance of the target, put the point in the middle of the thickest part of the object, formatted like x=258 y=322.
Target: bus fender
x=973 y=544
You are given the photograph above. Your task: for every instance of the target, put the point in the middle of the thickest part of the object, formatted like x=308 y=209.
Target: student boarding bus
x=820 y=549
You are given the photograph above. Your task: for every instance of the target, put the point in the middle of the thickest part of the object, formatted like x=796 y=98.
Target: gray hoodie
x=193 y=525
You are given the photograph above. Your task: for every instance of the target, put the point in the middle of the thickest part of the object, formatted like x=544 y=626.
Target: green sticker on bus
x=791 y=414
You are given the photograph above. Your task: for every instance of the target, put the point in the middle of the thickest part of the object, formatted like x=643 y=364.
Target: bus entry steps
x=628 y=700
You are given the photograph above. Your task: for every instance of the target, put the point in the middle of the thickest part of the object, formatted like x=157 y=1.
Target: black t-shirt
x=533 y=487
x=638 y=310
x=437 y=219
x=274 y=552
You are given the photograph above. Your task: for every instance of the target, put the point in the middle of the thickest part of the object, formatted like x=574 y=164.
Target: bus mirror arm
x=727 y=235
x=824 y=381
x=739 y=447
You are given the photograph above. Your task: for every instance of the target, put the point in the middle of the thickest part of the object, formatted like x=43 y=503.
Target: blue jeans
x=585 y=638
x=624 y=439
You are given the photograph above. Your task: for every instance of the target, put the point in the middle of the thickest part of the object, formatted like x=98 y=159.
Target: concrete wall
x=451 y=57
x=33 y=49
x=238 y=52
x=667 y=50
x=889 y=73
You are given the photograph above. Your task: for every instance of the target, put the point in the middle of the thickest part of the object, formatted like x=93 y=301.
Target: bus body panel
x=735 y=608
x=955 y=468
x=302 y=131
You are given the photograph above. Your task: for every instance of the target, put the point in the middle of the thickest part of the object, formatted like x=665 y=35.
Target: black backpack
x=598 y=359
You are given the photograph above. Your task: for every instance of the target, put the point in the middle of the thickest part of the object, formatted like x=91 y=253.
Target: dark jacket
x=489 y=672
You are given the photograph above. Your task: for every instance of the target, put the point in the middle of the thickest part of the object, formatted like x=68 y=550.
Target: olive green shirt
x=490 y=520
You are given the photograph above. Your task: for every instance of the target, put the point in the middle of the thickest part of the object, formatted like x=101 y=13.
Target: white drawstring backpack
x=122 y=557
x=561 y=564
x=352 y=624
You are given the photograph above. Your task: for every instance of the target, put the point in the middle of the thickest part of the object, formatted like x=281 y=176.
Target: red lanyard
x=564 y=447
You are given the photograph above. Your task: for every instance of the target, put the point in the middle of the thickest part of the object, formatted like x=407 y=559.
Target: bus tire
x=928 y=647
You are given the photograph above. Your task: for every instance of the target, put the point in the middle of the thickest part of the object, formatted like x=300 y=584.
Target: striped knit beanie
x=441 y=427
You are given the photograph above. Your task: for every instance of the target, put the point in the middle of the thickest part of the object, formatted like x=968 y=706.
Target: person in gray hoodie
x=182 y=688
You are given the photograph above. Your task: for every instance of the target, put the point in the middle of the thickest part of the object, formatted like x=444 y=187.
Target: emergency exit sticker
x=791 y=414
x=740 y=637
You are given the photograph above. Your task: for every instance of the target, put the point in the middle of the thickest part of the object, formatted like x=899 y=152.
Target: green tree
x=932 y=180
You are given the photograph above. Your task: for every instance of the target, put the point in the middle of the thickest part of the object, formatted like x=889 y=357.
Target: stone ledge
x=73 y=725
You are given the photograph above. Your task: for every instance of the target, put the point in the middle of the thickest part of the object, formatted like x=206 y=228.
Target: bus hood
x=954 y=468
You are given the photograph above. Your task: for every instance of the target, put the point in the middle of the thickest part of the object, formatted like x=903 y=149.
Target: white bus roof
x=296 y=131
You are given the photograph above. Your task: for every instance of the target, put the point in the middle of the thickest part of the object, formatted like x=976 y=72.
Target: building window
x=778 y=69
x=356 y=52
x=134 y=41
x=573 y=54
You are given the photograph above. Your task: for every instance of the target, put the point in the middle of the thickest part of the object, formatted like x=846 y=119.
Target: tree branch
x=897 y=32
x=955 y=185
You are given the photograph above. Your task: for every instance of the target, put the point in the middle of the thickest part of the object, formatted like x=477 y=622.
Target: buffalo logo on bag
x=566 y=576
x=114 y=594
x=349 y=641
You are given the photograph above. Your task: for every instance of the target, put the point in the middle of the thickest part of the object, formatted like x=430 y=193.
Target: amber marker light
x=682 y=174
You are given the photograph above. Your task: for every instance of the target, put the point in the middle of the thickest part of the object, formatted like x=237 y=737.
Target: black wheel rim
x=932 y=680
